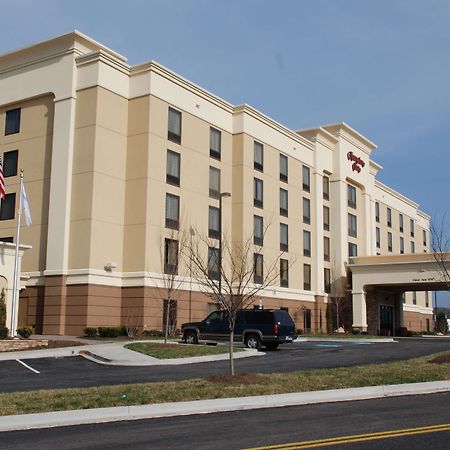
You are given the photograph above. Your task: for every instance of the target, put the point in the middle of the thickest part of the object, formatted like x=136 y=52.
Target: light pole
x=221 y=196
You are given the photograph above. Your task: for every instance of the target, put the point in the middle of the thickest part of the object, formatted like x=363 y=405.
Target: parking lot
x=51 y=373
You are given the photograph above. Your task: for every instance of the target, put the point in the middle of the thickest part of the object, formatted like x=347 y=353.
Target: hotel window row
x=400 y=220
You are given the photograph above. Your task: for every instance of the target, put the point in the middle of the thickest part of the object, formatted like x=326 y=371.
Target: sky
x=382 y=66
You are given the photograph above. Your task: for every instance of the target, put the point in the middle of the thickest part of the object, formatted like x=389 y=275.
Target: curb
x=125 y=413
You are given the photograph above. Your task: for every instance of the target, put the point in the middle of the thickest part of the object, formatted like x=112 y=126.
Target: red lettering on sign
x=358 y=163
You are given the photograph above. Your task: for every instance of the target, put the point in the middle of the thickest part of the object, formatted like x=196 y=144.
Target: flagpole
x=13 y=329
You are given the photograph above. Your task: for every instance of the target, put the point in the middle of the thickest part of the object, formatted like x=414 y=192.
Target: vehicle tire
x=190 y=337
x=252 y=341
x=272 y=345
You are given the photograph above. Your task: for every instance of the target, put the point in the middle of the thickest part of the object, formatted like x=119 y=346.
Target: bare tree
x=234 y=279
x=338 y=291
x=440 y=246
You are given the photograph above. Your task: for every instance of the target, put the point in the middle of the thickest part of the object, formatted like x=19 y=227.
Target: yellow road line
x=357 y=438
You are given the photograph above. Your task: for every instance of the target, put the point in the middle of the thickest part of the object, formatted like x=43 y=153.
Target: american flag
x=2 y=181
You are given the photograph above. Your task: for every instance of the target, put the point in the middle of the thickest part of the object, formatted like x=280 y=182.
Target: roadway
x=414 y=422
x=51 y=373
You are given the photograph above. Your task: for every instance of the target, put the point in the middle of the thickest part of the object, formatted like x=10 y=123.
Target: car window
x=283 y=317
x=215 y=316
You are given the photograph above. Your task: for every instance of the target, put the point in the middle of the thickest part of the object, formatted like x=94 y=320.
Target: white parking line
x=27 y=366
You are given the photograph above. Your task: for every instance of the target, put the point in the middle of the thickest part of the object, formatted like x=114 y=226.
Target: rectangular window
x=10 y=162
x=326 y=187
x=389 y=217
x=8 y=207
x=352 y=249
x=173 y=168
x=402 y=246
x=427 y=300
x=283 y=168
x=414 y=295
x=351 y=196
x=400 y=222
x=403 y=297
x=326 y=218
x=172 y=211
x=258 y=230
x=424 y=233
x=284 y=273
x=306 y=210
x=284 y=239
x=257 y=268
x=258 y=193
x=306 y=243
x=413 y=247
x=174 y=126
x=352 y=225
x=306 y=179
x=389 y=239
x=213 y=223
x=214 y=182
x=283 y=202
x=12 y=123
x=9 y=239
x=213 y=263
x=378 y=237
x=258 y=156
x=170 y=256
x=327 y=280
x=411 y=227
x=172 y=322
x=306 y=277
x=377 y=211
x=326 y=248
x=215 y=143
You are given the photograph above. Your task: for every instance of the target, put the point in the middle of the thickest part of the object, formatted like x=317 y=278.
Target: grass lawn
x=410 y=371
x=170 y=351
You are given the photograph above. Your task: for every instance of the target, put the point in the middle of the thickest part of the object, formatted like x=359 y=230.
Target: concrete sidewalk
x=125 y=413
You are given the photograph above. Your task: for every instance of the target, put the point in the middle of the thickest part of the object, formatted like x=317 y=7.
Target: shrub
x=90 y=332
x=25 y=332
x=356 y=331
x=299 y=331
x=3 y=332
x=441 y=323
x=153 y=333
x=109 y=332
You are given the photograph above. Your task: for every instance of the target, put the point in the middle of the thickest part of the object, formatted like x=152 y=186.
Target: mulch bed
x=239 y=378
x=442 y=359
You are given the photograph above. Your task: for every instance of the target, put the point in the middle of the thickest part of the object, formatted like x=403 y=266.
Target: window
x=284 y=273
x=400 y=222
x=284 y=242
x=174 y=127
x=389 y=217
x=215 y=143
x=9 y=239
x=327 y=280
x=12 y=123
x=172 y=211
x=377 y=211
x=352 y=225
x=173 y=168
x=424 y=234
x=283 y=202
x=413 y=247
x=258 y=156
x=8 y=207
x=10 y=163
x=306 y=277
x=378 y=237
x=326 y=218
x=214 y=182
x=403 y=297
x=326 y=187
x=306 y=210
x=389 y=239
x=427 y=300
x=170 y=256
x=326 y=248
x=257 y=192
x=352 y=249
x=414 y=295
x=213 y=263
x=306 y=243
x=402 y=246
x=306 y=179
x=172 y=322
x=411 y=227
x=283 y=168
x=213 y=223
x=351 y=196
x=258 y=230
x=257 y=268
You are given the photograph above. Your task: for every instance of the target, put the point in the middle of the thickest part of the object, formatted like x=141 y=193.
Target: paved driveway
x=79 y=372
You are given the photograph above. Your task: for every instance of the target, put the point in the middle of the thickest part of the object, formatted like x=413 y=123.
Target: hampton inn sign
x=358 y=163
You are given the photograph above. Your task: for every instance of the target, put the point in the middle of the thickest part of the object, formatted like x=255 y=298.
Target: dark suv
x=254 y=327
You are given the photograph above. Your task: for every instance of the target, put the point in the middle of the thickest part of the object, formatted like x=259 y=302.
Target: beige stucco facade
x=93 y=143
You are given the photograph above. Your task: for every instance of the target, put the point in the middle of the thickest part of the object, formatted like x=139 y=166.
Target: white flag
x=25 y=205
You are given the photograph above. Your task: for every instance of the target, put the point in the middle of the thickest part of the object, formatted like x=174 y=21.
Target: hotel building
x=117 y=156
